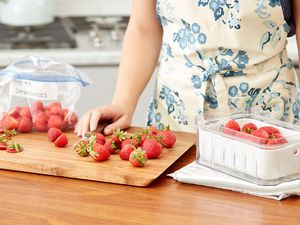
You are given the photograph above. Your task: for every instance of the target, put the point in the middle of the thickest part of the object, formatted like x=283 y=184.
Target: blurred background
x=85 y=33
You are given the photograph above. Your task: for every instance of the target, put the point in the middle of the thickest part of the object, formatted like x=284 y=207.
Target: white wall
x=75 y=8
x=102 y=89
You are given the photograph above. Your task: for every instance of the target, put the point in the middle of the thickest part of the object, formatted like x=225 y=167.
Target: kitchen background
x=87 y=34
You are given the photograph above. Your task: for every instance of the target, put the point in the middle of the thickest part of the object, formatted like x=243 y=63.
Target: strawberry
x=19 y=119
x=70 y=118
x=53 y=134
x=126 y=151
x=61 y=141
x=130 y=141
x=150 y=130
x=249 y=127
x=117 y=137
x=57 y=111
x=37 y=107
x=152 y=148
x=15 y=113
x=66 y=112
x=153 y=130
x=138 y=157
x=48 y=113
x=10 y=123
x=282 y=140
x=167 y=137
x=2 y=127
x=108 y=145
x=25 y=111
x=270 y=129
x=10 y=133
x=144 y=134
x=52 y=105
x=4 y=138
x=272 y=142
x=246 y=136
x=99 y=152
x=276 y=141
x=231 y=127
x=3 y=146
x=82 y=148
x=262 y=135
x=25 y=125
x=100 y=138
x=276 y=137
x=15 y=148
x=73 y=119
x=140 y=137
x=55 y=121
x=40 y=121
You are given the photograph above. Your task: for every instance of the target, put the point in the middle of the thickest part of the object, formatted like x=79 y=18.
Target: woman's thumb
x=121 y=123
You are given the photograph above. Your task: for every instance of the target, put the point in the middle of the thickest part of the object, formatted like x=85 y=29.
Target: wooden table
x=38 y=199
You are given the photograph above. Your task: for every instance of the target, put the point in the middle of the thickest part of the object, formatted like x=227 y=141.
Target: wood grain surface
x=31 y=199
x=41 y=156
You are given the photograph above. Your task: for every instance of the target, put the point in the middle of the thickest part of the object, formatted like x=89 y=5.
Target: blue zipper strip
x=45 y=78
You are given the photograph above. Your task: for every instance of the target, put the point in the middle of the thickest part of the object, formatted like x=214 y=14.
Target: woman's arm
x=142 y=44
x=140 y=53
x=296 y=13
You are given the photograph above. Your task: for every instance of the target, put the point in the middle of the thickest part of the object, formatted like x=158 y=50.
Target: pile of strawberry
x=144 y=144
x=265 y=135
x=5 y=139
x=38 y=117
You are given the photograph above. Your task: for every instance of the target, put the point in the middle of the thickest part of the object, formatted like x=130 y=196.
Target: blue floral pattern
x=261 y=9
x=166 y=52
x=272 y=36
x=189 y=35
x=274 y=31
x=274 y=3
x=154 y=117
x=228 y=13
x=167 y=6
x=227 y=62
x=174 y=105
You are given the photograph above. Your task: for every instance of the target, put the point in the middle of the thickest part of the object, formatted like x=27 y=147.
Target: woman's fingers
x=117 y=114
x=95 y=117
x=121 y=123
x=83 y=124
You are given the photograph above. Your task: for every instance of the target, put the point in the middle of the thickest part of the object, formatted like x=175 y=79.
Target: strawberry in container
x=252 y=147
x=39 y=94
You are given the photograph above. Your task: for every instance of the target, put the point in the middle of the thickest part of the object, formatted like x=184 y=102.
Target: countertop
x=38 y=199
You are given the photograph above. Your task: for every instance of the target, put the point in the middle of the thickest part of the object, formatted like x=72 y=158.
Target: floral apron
x=222 y=56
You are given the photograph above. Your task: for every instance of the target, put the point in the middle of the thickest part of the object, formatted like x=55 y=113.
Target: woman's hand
x=120 y=116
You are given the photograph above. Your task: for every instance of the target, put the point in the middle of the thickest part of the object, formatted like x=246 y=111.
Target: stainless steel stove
x=54 y=35
x=99 y=32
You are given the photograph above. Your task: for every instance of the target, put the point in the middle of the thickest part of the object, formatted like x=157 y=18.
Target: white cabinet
x=102 y=89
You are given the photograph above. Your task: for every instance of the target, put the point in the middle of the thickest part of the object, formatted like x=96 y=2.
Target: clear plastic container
x=251 y=160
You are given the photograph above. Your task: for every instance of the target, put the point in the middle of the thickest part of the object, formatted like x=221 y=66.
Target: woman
x=217 y=56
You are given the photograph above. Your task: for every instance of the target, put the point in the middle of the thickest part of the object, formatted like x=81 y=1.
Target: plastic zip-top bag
x=38 y=94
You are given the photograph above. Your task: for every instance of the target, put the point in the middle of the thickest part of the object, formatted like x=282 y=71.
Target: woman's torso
x=219 y=55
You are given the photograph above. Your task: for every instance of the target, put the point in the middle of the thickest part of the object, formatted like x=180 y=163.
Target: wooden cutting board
x=42 y=157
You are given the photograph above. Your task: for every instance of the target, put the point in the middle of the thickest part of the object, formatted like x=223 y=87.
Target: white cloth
x=201 y=175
